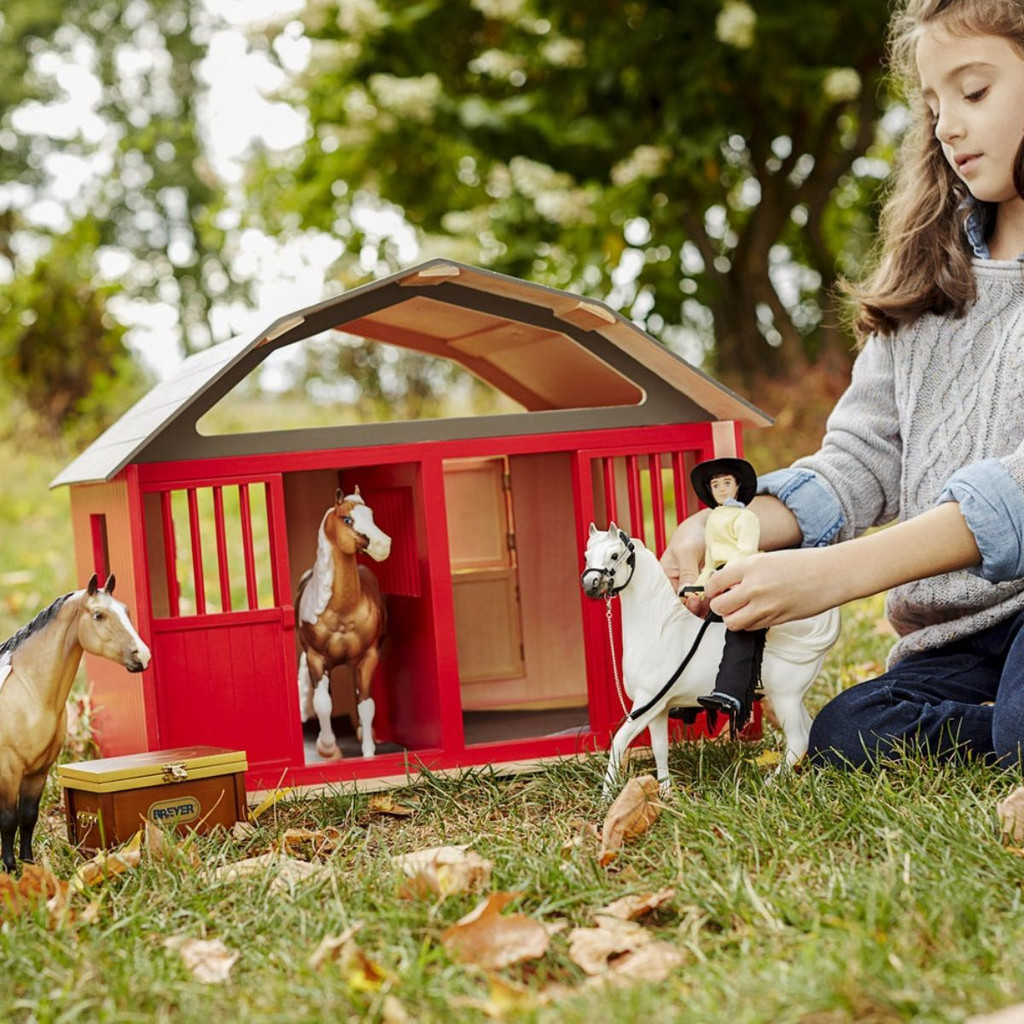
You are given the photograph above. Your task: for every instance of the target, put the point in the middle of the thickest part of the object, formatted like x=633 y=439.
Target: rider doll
x=731 y=531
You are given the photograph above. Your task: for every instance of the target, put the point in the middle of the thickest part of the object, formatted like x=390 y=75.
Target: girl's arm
x=684 y=556
x=774 y=587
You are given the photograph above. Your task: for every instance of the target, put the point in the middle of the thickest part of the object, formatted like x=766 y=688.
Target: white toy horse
x=661 y=639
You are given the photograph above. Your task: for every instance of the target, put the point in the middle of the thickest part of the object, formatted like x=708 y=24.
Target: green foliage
x=150 y=191
x=679 y=158
x=62 y=355
x=161 y=200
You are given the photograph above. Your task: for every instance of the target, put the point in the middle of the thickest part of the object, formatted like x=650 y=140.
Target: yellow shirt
x=732 y=531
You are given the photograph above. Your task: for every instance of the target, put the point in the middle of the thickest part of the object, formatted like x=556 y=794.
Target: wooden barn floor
x=480 y=727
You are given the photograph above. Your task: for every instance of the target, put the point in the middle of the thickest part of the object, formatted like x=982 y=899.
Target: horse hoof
x=331 y=753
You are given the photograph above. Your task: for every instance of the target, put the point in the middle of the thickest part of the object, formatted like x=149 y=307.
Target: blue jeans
x=936 y=702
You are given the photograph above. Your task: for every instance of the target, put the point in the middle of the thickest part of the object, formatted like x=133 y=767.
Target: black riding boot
x=739 y=673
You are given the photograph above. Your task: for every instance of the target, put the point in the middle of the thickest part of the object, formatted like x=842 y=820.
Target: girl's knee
x=1008 y=742
x=842 y=731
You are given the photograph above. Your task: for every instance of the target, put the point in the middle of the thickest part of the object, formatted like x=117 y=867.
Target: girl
x=931 y=429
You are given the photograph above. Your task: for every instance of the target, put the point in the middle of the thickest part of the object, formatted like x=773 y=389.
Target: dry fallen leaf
x=243 y=830
x=653 y=962
x=384 y=803
x=161 y=847
x=503 y=999
x=300 y=842
x=109 y=864
x=443 y=870
x=36 y=887
x=288 y=872
x=488 y=939
x=359 y=971
x=629 y=908
x=268 y=801
x=634 y=811
x=1011 y=815
x=209 y=960
x=592 y=948
x=332 y=947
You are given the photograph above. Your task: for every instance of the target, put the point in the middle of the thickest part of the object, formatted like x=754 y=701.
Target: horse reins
x=637 y=712
x=614 y=592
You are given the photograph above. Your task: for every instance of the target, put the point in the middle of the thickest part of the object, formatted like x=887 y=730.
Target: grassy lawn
x=819 y=898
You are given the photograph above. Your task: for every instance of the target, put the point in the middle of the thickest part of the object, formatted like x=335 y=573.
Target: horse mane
x=43 y=619
x=323 y=568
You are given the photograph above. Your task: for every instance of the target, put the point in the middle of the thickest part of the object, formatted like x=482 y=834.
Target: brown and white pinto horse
x=37 y=667
x=342 y=618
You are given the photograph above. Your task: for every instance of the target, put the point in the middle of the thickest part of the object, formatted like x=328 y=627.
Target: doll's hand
x=772 y=587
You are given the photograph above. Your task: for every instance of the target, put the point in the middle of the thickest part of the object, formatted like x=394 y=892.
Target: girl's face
x=974 y=88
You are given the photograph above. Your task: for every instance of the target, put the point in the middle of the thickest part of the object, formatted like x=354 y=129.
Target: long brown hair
x=924 y=261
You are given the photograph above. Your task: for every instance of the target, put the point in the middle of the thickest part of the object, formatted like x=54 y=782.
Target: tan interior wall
x=544 y=517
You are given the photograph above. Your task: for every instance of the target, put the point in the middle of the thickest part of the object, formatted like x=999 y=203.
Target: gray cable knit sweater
x=942 y=395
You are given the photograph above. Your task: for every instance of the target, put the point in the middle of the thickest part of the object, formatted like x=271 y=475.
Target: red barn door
x=223 y=623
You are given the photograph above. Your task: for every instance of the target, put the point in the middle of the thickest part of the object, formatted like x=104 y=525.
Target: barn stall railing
x=645 y=493
x=216 y=548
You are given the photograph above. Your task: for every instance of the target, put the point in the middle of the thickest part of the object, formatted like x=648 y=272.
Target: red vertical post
x=636 y=505
x=278 y=542
x=245 y=514
x=197 y=552
x=610 y=505
x=657 y=502
x=679 y=481
x=170 y=555
x=223 y=571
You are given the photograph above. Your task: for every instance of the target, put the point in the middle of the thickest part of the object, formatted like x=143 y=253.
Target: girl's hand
x=772 y=587
x=683 y=557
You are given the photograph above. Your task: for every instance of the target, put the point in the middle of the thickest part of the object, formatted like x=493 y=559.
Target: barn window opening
x=209 y=550
x=418 y=360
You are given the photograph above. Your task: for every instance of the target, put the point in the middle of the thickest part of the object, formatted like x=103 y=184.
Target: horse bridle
x=610 y=573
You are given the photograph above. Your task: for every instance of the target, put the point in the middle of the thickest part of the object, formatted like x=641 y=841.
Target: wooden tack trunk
x=108 y=800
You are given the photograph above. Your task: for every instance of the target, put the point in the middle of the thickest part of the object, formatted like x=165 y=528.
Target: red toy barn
x=493 y=654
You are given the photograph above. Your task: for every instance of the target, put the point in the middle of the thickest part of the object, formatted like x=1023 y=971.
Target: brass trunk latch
x=174 y=772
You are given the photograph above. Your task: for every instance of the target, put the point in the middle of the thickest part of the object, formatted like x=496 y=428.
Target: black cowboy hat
x=704 y=472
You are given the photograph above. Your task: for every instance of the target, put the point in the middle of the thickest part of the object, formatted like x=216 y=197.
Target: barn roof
x=572 y=363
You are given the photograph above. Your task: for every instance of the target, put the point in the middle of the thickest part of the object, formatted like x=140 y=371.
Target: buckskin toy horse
x=341 y=617
x=670 y=656
x=37 y=667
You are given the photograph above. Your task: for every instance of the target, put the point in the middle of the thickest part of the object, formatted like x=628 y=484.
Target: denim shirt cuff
x=816 y=508
x=993 y=506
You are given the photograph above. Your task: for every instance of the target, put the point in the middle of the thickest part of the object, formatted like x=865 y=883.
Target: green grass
x=821 y=898
x=824 y=897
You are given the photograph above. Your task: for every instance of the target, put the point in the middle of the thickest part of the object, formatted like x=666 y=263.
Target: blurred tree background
x=707 y=168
